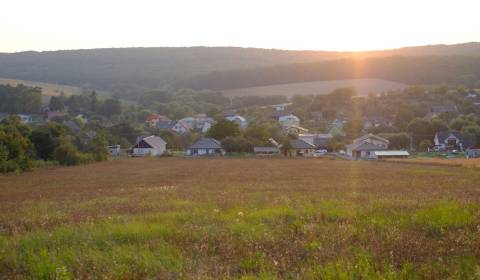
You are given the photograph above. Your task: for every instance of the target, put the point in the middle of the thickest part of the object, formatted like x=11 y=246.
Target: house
x=320 y=141
x=449 y=141
x=199 y=123
x=25 y=118
x=365 y=146
x=435 y=111
x=206 y=147
x=152 y=120
x=289 y=120
x=149 y=146
x=164 y=124
x=390 y=154
x=266 y=151
x=473 y=153
x=241 y=121
x=301 y=148
x=295 y=129
x=114 y=150
x=181 y=127
x=281 y=107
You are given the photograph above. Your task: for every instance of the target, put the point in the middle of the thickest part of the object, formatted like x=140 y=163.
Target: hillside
x=47 y=89
x=131 y=71
x=409 y=70
x=363 y=87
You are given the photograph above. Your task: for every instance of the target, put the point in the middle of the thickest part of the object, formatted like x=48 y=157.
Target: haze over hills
x=131 y=71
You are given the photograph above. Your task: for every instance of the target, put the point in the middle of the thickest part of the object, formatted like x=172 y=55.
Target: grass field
x=175 y=218
x=363 y=87
x=49 y=90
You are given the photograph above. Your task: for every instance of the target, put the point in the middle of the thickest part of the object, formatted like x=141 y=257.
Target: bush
x=68 y=154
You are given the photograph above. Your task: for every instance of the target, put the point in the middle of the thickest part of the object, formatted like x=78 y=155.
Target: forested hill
x=131 y=71
x=461 y=70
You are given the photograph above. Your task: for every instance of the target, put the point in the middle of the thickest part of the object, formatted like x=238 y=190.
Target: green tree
x=17 y=148
x=237 y=144
x=111 y=107
x=46 y=138
x=222 y=129
x=57 y=103
x=420 y=129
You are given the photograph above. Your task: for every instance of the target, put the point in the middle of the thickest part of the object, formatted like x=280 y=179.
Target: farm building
x=390 y=154
x=149 y=146
x=473 y=153
x=365 y=146
x=206 y=147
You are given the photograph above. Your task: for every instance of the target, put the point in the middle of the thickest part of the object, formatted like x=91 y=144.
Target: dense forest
x=129 y=72
x=455 y=70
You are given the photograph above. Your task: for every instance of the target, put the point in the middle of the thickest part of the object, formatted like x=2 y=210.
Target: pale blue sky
x=300 y=24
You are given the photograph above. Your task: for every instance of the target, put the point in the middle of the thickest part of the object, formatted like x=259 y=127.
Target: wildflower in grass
x=240 y=214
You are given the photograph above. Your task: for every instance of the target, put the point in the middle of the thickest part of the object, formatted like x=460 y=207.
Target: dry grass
x=363 y=87
x=234 y=218
x=47 y=89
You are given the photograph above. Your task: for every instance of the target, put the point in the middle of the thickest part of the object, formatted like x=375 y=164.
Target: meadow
x=241 y=218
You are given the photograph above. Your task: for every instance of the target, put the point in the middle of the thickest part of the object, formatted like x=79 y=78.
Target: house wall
x=149 y=151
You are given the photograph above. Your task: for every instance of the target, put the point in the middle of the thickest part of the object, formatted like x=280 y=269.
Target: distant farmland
x=363 y=86
x=49 y=90
x=228 y=218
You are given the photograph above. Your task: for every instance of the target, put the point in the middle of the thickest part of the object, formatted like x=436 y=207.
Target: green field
x=175 y=218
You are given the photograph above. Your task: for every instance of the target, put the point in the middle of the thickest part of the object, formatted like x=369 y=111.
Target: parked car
x=319 y=153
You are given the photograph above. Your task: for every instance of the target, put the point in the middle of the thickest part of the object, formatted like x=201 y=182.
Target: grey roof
x=206 y=143
x=321 y=142
x=300 y=144
x=443 y=135
x=370 y=135
x=164 y=125
x=153 y=141
x=364 y=146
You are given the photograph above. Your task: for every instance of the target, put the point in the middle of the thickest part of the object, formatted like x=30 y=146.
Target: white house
x=241 y=121
x=289 y=120
x=365 y=146
x=114 y=150
x=25 y=118
x=181 y=127
x=149 y=146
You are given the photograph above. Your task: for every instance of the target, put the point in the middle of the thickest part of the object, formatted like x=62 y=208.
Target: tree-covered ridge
x=129 y=72
x=456 y=70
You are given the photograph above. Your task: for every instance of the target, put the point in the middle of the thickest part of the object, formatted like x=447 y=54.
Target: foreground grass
x=241 y=218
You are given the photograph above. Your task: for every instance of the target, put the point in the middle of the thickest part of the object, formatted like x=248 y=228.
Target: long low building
x=390 y=154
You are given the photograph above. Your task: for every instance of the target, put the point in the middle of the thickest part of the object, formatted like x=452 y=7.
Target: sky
x=342 y=25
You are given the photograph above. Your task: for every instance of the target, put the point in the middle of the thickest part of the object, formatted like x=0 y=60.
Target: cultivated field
x=232 y=218
x=49 y=90
x=363 y=87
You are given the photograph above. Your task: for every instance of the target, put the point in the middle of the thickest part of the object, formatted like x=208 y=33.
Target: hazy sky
x=299 y=24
